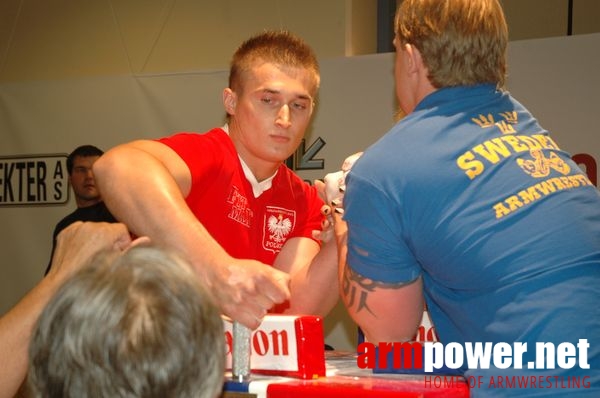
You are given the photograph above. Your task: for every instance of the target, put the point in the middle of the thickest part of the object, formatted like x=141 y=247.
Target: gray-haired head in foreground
x=136 y=325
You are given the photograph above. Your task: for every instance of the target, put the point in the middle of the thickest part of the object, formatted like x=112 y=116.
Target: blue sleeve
x=377 y=248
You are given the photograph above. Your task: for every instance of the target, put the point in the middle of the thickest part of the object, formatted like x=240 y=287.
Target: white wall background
x=556 y=78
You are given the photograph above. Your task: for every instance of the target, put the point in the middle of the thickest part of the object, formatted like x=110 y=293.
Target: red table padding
x=365 y=387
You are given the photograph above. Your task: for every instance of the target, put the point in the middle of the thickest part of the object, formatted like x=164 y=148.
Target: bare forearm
x=384 y=311
x=314 y=287
x=144 y=185
x=138 y=189
x=151 y=203
x=15 y=333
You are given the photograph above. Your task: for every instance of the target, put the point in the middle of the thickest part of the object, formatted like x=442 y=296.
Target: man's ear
x=229 y=101
x=415 y=60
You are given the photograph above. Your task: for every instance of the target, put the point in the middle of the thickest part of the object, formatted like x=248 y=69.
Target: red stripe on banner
x=363 y=387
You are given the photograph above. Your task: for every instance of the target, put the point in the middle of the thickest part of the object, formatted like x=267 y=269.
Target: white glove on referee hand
x=335 y=183
x=334 y=188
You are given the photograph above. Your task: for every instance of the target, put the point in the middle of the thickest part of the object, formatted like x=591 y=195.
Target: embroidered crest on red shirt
x=278 y=224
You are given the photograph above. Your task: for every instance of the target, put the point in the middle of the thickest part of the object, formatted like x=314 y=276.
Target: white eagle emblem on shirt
x=279 y=227
x=278 y=224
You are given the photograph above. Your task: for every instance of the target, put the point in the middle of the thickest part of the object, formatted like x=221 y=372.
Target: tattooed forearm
x=351 y=290
x=356 y=289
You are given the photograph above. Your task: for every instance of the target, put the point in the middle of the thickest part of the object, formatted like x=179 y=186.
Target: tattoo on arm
x=356 y=289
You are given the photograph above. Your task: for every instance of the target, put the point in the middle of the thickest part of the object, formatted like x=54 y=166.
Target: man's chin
x=90 y=198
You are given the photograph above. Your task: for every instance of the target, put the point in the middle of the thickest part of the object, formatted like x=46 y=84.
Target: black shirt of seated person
x=97 y=212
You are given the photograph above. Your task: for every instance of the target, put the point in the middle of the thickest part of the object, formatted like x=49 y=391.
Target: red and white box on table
x=288 y=361
x=284 y=345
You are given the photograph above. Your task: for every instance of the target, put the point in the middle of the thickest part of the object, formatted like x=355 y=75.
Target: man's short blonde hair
x=462 y=42
x=278 y=47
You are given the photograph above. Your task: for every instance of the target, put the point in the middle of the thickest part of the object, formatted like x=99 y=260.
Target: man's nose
x=283 y=117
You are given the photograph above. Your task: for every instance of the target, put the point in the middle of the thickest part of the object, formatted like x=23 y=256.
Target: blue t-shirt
x=471 y=194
